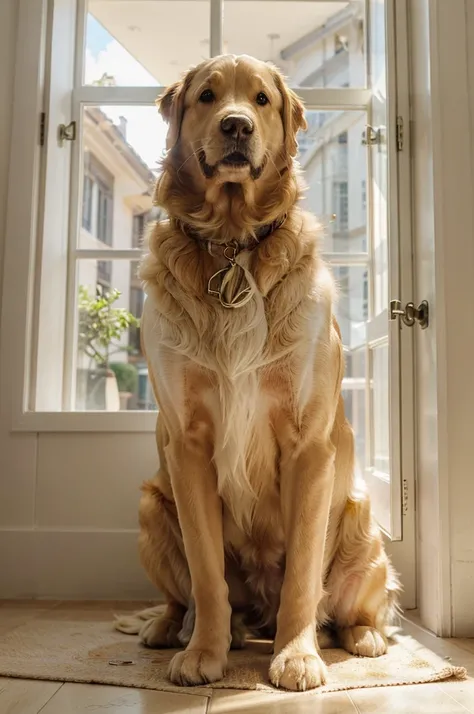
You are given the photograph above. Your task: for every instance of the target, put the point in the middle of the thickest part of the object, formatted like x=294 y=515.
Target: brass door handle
x=411 y=314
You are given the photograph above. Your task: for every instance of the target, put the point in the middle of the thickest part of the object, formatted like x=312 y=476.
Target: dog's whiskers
x=194 y=153
x=202 y=145
x=272 y=161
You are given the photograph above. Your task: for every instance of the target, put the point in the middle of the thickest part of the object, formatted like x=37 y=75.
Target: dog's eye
x=207 y=96
x=261 y=99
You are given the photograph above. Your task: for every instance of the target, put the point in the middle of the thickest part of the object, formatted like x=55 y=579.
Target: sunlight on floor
x=32 y=697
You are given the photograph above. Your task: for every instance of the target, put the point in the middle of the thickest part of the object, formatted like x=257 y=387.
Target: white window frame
x=33 y=236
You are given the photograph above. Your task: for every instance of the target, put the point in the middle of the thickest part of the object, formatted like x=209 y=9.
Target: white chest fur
x=236 y=346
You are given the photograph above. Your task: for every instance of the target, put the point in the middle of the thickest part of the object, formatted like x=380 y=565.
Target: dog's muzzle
x=234 y=159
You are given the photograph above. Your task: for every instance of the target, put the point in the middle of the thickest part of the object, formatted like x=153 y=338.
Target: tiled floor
x=32 y=697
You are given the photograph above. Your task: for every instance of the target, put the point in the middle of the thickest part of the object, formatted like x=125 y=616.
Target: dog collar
x=210 y=246
x=233 y=285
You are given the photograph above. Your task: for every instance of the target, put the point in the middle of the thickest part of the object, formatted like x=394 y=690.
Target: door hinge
x=411 y=314
x=42 y=131
x=405 y=497
x=400 y=133
x=66 y=132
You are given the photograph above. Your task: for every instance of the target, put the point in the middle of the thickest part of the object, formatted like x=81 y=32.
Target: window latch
x=371 y=136
x=411 y=314
x=66 y=132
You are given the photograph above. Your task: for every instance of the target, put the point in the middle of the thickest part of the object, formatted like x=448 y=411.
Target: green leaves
x=126 y=375
x=100 y=324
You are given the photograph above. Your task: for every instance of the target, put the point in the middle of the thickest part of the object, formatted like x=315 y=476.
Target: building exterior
x=116 y=207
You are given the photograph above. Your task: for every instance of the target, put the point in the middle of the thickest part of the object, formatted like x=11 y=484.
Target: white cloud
x=116 y=61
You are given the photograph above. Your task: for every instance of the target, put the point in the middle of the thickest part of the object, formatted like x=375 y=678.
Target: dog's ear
x=166 y=100
x=171 y=107
x=292 y=114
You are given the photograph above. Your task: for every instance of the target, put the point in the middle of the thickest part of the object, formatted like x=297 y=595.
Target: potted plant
x=126 y=375
x=101 y=325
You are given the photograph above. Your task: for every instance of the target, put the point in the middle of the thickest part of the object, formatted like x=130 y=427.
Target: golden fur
x=256 y=516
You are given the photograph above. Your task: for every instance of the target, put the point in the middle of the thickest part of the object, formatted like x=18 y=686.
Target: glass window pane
x=111 y=370
x=122 y=147
x=380 y=409
x=379 y=157
x=145 y=42
x=87 y=203
x=380 y=238
x=351 y=312
x=334 y=164
x=354 y=389
x=351 y=308
x=315 y=43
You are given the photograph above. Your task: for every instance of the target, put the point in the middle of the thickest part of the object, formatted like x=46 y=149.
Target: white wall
x=17 y=455
x=443 y=161
x=68 y=526
x=428 y=563
x=8 y=23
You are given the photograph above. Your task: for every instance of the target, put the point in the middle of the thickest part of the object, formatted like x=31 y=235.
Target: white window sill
x=101 y=421
x=139 y=421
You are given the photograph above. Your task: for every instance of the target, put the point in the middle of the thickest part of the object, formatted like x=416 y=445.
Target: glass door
x=383 y=472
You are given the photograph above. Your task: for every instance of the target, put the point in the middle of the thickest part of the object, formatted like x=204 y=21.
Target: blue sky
x=97 y=36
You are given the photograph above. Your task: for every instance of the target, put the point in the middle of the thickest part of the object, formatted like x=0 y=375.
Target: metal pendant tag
x=231 y=286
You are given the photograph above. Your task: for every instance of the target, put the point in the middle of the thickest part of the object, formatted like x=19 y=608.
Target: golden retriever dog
x=256 y=518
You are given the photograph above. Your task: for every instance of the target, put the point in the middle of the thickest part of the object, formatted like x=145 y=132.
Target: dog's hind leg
x=162 y=555
x=156 y=628
x=362 y=585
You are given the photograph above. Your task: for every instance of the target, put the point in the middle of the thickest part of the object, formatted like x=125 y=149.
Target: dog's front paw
x=193 y=667
x=297 y=672
x=363 y=641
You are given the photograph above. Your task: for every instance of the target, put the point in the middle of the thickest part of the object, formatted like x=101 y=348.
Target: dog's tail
x=132 y=624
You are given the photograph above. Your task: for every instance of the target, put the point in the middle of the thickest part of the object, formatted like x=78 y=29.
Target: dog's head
x=232 y=120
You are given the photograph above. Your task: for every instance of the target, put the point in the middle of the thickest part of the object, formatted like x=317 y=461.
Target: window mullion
x=313 y=98
x=107 y=254
x=76 y=189
x=96 y=95
x=216 y=22
x=53 y=243
x=81 y=25
x=349 y=259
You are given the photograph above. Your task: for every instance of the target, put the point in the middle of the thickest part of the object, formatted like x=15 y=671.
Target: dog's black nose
x=238 y=126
